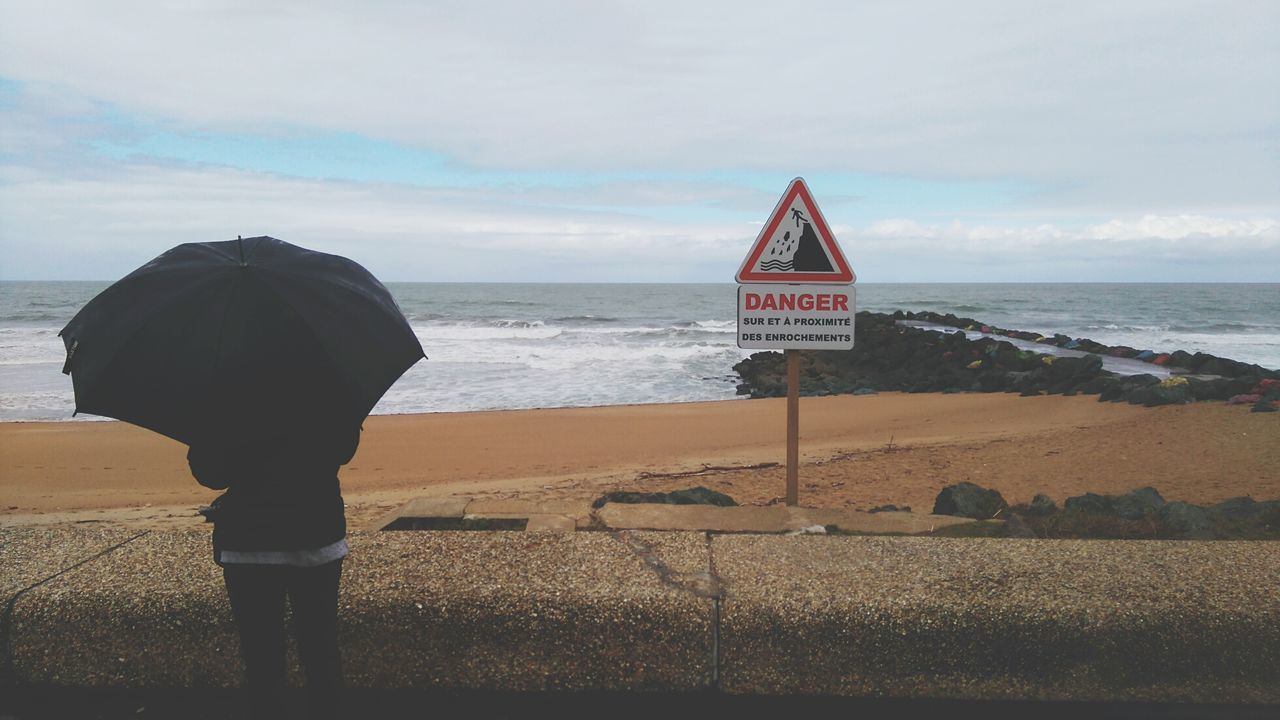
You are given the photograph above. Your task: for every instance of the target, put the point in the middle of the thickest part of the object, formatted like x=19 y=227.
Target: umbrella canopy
x=221 y=341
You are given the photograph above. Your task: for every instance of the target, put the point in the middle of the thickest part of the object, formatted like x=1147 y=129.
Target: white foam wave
x=1128 y=328
x=27 y=345
x=473 y=333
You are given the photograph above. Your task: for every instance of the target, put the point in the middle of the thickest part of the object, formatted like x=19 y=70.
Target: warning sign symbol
x=796 y=245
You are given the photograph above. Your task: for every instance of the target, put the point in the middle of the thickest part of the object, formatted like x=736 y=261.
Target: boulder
x=1090 y=502
x=1016 y=527
x=1184 y=518
x=968 y=500
x=1042 y=505
x=1242 y=507
x=1137 y=504
x=1162 y=394
x=693 y=496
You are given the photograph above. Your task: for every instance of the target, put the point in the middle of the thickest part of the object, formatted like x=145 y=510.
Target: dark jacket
x=282 y=493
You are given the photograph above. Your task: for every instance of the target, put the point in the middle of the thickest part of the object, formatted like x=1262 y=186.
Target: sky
x=1079 y=141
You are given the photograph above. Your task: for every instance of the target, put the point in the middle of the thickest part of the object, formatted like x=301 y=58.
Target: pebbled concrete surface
x=1000 y=619
x=677 y=612
x=525 y=611
x=30 y=556
x=152 y=613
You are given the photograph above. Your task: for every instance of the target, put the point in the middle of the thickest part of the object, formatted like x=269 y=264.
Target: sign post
x=793 y=428
x=794 y=294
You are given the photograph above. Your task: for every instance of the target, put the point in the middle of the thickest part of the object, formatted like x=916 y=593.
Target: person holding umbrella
x=264 y=358
x=280 y=533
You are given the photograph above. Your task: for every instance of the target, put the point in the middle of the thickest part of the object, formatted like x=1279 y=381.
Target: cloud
x=1150 y=248
x=1260 y=233
x=1167 y=102
x=598 y=141
x=402 y=233
x=124 y=217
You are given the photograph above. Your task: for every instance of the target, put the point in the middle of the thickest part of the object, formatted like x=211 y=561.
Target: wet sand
x=856 y=452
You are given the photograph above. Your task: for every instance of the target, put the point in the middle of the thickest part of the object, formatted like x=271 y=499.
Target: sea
x=508 y=346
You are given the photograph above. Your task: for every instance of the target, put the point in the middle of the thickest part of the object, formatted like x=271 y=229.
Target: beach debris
x=809 y=530
x=1244 y=399
x=966 y=499
x=707 y=469
x=890 y=508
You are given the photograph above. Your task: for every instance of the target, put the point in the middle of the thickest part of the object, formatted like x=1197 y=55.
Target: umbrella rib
x=303 y=318
x=155 y=310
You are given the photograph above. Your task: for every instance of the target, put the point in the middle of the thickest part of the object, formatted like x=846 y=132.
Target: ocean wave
x=473 y=333
x=20 y=315
x=596 y=358
x=652 y=332
x=585 y=319
x=518 y=323
x=24 y=346
x=709 y=325
x=414 y=317
x=1227 y=328
x=966 y=308
x=1129 y=328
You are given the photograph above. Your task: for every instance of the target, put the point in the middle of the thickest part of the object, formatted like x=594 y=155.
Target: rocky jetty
x=1138 y=514
x=889 y=356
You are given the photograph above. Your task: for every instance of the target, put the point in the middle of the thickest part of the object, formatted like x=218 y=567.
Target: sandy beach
x=857 y=453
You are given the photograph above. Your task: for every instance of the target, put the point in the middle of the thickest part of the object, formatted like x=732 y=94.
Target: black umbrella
x=224 y=341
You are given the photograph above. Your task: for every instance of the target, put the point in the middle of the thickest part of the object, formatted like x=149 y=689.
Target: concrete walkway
x=638 y=611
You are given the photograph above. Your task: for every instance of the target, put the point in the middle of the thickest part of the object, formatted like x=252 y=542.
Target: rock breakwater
x=1140 y=514
x=891 y=356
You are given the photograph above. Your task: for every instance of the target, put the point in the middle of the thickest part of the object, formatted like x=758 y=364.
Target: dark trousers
x=258 y=594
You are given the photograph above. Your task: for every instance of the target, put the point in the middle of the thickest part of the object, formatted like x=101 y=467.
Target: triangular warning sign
x=796 y=246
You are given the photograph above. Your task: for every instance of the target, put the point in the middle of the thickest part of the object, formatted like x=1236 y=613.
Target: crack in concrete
x=704 y=584
x=715 y=613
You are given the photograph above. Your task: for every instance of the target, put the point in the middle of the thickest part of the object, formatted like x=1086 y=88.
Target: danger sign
x=795 y=317
x=796 y=245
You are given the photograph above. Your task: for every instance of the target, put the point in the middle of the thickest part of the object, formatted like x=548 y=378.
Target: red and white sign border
x=843 y=275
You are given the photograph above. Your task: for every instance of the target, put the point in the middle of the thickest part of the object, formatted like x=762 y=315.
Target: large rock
x=1042 y=505
x=692 y=496
x=968 y=500
x=1089 y=502
x=1137 y=504
x=1242 y=508
x=1184 y=518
